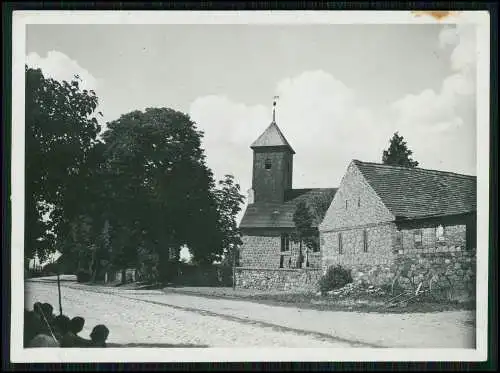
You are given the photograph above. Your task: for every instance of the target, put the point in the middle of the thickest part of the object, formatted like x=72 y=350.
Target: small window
x=282 y=261
x=340 y=244
x=365 y=241
x=267 y=164
x=359 y=201
x=285 y=243
x=417 y=236
x=316 y=247
x=440 y=233
x=399 y=238
x=346 y=204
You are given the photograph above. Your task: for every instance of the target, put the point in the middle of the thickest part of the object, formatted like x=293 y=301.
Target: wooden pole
x=59 y=289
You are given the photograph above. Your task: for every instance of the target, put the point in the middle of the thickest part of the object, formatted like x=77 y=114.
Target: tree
x=229 y=203
x=304 y=232
x=398 y=153
x=61 y=133
x=159 y=187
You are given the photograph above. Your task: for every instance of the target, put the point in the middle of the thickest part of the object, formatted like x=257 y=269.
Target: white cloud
x=328 y=127
x=435 y=122
x=58 y=66
x=318 y=114
x=229 y=129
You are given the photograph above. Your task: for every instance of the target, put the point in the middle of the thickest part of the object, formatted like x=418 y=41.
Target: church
x=267 y=224
x=380 y=220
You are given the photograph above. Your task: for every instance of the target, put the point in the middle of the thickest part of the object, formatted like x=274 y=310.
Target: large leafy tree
x=61 y=137
x=398 y=153
x=159 y=187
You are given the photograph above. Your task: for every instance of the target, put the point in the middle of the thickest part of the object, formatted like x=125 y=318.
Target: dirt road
x=151 y=317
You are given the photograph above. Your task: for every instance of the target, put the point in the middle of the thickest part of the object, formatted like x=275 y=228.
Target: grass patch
x=356 y=303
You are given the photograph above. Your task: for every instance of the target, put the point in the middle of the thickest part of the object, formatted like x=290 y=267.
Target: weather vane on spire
x=274 y=108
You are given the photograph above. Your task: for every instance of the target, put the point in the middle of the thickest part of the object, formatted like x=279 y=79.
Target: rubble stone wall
x=284 y=279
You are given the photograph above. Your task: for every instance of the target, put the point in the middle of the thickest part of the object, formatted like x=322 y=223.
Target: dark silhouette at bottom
x=43 y=329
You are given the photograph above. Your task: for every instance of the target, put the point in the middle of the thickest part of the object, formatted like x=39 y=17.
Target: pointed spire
x=274 y=109
x=272 y=136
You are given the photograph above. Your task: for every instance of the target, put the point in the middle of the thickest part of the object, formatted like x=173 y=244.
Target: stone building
x=268 y=256
x=388 y=221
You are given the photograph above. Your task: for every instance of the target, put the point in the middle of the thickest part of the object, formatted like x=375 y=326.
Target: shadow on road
x=155 y=345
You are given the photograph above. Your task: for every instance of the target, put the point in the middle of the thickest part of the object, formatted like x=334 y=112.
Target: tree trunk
x=299 y=259
x=234 y=268
x=93 y=265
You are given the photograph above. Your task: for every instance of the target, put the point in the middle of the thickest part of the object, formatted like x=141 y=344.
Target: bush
x=83 y=276
x=335 y=278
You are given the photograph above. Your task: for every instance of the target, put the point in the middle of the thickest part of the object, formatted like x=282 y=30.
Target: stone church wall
x=260 y=251
x=279 y=279
x=446 y=264
x=263 y=250
x=378 y=249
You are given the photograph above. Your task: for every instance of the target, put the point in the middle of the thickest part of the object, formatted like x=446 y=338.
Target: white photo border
x=21 y=355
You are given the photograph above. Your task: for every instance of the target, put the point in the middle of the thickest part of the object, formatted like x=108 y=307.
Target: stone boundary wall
x=281 y=279
x=449 y=269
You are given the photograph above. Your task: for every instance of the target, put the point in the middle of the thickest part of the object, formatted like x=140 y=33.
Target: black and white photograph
x=250 y=185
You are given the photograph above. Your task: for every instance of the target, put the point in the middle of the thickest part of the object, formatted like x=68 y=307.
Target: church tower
x=272 y=165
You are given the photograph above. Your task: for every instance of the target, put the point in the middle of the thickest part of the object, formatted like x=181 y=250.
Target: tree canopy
x=132 y=198
x=160 y=187
x=398 y=153
x=61 y=136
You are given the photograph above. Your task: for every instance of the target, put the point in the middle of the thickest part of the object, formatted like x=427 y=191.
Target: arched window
x=267 y=164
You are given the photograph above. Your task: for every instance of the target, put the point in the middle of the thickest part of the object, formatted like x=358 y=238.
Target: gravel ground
x=418 y=330
x=228 y=322
x=141 y=322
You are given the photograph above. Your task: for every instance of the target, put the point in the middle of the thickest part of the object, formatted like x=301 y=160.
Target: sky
x=343 y=89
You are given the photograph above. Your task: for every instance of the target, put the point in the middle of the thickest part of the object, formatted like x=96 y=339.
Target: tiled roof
x=276 y=215
x=417 y=193
x=272 y=136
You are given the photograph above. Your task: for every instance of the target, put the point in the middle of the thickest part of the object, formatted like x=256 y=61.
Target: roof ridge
x=416 y=169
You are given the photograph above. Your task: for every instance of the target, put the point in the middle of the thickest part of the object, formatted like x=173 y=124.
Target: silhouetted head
x=76 y=324
x=99 y=334
x=47 y=309
x=37 y=307
x=62 y=323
